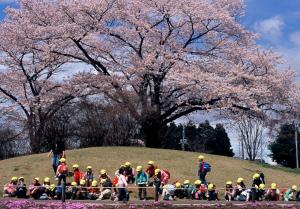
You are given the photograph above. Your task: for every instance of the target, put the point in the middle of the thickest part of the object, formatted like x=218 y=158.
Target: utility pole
x=183 y=141
x=296 y=143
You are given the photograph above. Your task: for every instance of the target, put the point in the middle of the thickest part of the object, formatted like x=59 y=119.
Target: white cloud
x=270 y=28
x=295 y=38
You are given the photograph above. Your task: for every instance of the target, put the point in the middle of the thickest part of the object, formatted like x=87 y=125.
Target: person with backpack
x=62 y=172
x=141 y=180
x=21 y=188
x=89 y=176
x=164 y=176
x=203 y=169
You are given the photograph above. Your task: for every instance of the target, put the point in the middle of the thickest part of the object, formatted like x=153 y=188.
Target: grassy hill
x=182 y=165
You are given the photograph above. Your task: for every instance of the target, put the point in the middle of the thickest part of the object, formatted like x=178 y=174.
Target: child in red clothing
x=77 y=175
x=62 y=171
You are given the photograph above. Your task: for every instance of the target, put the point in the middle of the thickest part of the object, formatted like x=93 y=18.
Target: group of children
x=87 y=186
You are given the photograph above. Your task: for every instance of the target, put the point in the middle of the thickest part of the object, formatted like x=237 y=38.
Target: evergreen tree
x=223 y=145
x=283 y=148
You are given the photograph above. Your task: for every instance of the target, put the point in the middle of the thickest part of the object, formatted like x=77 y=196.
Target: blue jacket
x=141 y=178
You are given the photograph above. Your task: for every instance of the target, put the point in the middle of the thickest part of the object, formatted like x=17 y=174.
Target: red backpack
x=167 y=172
x=63 y=169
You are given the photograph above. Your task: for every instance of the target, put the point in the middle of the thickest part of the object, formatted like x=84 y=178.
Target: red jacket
x=151 y=170
x=77 y=176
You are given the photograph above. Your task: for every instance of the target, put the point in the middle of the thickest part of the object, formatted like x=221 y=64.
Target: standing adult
x=57 y=151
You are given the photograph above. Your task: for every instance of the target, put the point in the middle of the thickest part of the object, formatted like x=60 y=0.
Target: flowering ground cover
x=29 y=204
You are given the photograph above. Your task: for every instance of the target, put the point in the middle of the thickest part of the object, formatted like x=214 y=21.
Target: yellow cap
x=37 y=178
x=74 y=184
x=94 y=183
x=14 y=178
x=103 y=171
x=89 y=167
x=229 y=183
x=52 y=187
x=139 y=168
x=262 y=186
x=239 y=180
x=201 y=157
x=186 y=182
x=294 y=187
x=47 y=180
x=103 y=181
x=75 y=166
x=21 y=178
x=197 y=182
x=210 y=187
x=62 y=160
x=151 y=162
x=156 y=171
x=273 y=186
x=178 y=185
x=256 y=176
x=127 y=164
x=82 y=182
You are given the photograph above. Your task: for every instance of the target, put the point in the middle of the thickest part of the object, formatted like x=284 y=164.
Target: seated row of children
x=86 y=186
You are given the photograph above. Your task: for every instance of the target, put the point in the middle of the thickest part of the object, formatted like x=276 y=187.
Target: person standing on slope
x=57 y=151
x=203 y=169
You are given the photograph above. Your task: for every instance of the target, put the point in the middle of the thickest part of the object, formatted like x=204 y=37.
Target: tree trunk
x=35 y=135
x=152 y=130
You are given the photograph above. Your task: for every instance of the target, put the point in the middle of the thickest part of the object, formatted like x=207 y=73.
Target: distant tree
x=252 y=137
x=206 y=137
x=203 y=138
x=172 y=136
x=283 y=148
x=222 y=143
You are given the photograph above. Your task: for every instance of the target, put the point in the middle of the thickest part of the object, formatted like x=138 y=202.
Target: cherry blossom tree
x=28 y=82
x=162 y=58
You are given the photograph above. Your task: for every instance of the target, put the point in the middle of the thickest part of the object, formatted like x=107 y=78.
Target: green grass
x=182 y=165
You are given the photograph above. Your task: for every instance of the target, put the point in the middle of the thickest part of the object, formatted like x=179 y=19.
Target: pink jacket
x=9 y=188
x=164 y=177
